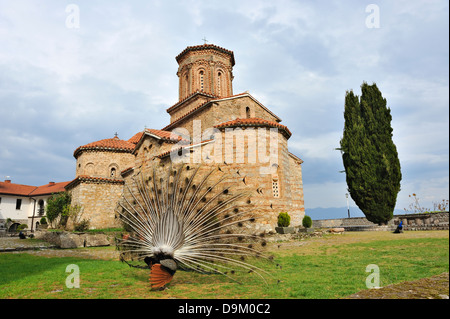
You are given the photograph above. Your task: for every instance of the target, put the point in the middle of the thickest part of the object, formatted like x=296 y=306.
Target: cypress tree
x=370 y=157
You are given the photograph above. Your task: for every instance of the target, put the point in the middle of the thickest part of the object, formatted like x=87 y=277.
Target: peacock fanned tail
x=189 y=218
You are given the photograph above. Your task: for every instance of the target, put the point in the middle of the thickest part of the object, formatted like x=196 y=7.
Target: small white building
x=25 y=204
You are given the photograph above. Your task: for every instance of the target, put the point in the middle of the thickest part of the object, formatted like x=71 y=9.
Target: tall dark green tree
x=370 y=157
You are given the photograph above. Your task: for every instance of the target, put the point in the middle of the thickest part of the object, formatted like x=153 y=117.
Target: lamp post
x=348 y=207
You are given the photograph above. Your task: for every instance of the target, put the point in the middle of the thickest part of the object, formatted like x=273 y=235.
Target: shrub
x=21 y=227
x=284 y=220
x=57 y=206
x=307 y=221
x=43 y=221
x=82 y=225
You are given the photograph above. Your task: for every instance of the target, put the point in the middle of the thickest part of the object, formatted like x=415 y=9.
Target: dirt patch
x=436 y=287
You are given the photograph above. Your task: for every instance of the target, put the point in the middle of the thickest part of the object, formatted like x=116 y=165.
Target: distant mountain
x=338 y=212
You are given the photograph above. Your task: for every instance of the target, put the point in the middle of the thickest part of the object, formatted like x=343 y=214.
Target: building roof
x=109 y=144
x=191 y=96
x=192 y=145
x=9 y=188
x=49 y=189
x=136 y=137
x=205 y=47
x=165 y=135
x=247 y=94
x=96 y=180
x=254 y=122
x=209 y=103
x=296 y=158
x=188 y=114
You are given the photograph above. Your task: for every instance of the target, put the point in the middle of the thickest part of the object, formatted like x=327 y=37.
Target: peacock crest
x=190 y=218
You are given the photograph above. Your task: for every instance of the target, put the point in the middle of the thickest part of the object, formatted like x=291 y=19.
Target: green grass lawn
x=330 y=267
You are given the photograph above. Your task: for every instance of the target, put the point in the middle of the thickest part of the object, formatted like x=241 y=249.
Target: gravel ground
x=8 y=244
x=435 y=287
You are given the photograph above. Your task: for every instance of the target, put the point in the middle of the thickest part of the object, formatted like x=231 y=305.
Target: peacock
x=189 y=218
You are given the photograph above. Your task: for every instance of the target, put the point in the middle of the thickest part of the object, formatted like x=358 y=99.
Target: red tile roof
x=255 y=121
x=166 y=153
x=49 y=188
x=97 y=180
x=116 y=144
x=246 y=93
x=165 y=135
x=184 y=116
x=15 y=189
x=109 y=144
x=9 y=188
x=196 y=93
x=136 y=137
x=205 y=47
x=126 y=171
x=208 y=103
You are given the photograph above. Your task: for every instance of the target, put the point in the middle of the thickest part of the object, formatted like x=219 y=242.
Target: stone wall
x=428 y=221
x=209 y=63
x=220 y=111
x=100 y=163
x=149 y=148
x=295 y=182
x=99 y=201
x=71 y=240
x=235 y=107
x=186 y=106
x=287 y=173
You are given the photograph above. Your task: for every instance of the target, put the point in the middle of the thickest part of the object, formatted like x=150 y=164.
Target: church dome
x=205 y=68
x=109 y=144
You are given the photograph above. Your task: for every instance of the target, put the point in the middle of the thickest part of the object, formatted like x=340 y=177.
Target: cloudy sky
x=74 y=72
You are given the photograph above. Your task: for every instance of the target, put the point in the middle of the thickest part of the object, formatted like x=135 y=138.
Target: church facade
x=209 y=125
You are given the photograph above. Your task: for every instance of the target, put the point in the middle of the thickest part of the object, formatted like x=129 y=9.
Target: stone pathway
x=9 y=244
x=45 y=249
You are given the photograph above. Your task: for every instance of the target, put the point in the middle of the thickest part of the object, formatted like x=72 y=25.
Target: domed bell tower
x=205 y=68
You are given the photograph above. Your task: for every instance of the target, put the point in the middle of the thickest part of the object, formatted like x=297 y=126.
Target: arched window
x=219 y=84
x=247 y=112
x=201 y=81
x=89 y=169
x=41 y=207
x=112 y=172
x=275 y=182
x=186 y=85
x=275 y=187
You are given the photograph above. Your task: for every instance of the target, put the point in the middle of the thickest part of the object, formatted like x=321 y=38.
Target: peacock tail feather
x=193 y=216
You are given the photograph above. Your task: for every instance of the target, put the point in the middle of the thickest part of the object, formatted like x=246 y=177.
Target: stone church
x=209 y=124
